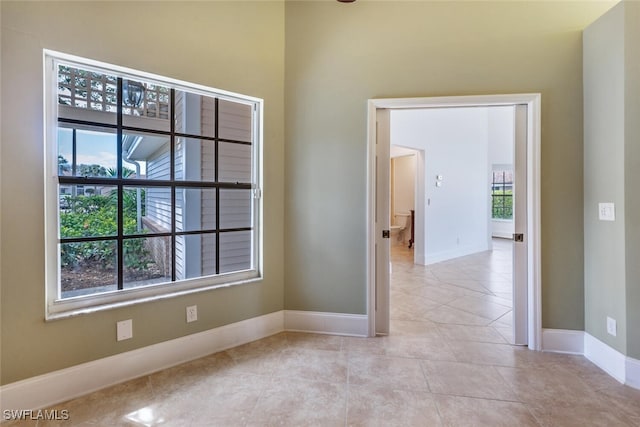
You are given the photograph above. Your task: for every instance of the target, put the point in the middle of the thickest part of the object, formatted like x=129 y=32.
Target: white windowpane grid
x=86 y=89
x=98 y=92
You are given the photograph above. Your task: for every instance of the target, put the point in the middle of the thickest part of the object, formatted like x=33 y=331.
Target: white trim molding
x=54 y=387
x=58 y=386
x=456 y=253
x=606 y=358
x=633 y=373
x=563 y=341
x=65 y=384
x=326 y=323
x=624 y=369
x=533 y=102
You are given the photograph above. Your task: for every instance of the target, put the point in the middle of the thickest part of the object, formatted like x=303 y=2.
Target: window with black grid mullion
x=177 y=204
x=502 y=195
x=157 y=182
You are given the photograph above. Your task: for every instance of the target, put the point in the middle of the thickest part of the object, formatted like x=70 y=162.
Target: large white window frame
x=59 y=307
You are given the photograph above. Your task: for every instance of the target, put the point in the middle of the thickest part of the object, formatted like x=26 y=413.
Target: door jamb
x=533 y=102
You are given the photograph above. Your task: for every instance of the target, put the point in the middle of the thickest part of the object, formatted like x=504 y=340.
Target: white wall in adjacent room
x=455 y=216
x=404 y=184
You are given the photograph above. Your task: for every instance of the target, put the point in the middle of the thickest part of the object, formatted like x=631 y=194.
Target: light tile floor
x=447 y=362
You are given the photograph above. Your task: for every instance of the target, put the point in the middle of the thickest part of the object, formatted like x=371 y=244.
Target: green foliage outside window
x=502 y=194
x=502 y=204
x=96 y=215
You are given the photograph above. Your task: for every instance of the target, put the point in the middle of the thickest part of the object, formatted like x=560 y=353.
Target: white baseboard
x=456 y=253
x=326 y=323
x=606 y=358
x=58 y=386
x=633 y=373
x=624 y=369
x=502 y=229
x=501 y=235
x=65 y=384
x=563 y=341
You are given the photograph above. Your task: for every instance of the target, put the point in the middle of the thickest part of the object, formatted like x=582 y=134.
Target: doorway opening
x=526 y=300
x=469 y=189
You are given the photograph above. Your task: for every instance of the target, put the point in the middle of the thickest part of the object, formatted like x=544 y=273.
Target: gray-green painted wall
x=604 y=176
x=632 y=175
x=612 y=174
x=333 y=57
x=201 y=42
x=340 y=55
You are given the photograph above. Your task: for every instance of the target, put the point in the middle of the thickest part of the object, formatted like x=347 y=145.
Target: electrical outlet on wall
x=124 y=330
x=611 y=326
x=192 y=313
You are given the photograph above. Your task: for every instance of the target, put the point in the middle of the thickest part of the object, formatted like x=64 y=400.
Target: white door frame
x=532 y=237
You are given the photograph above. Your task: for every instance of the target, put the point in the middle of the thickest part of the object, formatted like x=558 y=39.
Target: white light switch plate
x=612 y=327
x=606 y=212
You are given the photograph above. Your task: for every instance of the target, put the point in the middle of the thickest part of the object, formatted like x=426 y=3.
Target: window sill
x=64 y=309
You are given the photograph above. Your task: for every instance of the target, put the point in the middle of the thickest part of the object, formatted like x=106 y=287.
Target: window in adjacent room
x=152 y=188
x=502 y=194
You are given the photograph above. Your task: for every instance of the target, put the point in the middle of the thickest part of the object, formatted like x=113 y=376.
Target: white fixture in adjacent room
x=400 y=227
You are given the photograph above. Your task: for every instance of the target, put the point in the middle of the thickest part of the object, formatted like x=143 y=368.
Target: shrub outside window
x=152 y=186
